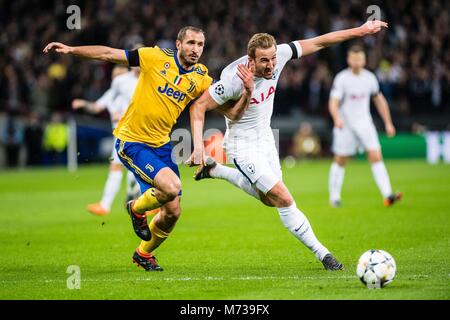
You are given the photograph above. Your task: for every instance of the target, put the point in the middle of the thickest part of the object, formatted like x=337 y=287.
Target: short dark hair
x=184 y=30
x=356 y=48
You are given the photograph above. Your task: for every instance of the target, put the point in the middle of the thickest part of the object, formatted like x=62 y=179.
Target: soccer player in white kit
x=349 y=106
x=249 y=141
x=116 y=100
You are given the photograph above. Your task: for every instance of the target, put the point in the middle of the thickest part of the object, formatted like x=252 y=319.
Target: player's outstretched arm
x=197 y=117
x=313 y=45
x=91 y=107
x=383 y=109
x=91 y=52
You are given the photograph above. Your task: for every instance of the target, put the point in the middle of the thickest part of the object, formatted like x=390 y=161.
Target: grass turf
x=226 y=245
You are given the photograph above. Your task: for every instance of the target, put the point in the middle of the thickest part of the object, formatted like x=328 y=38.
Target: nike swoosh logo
x=299 y=227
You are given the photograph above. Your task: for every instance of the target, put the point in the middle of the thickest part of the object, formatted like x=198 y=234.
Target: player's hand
x=338 y=123
x=373 y=26
x=58 y=47
x=78 y=104
x=115 y=116
x=197 y=158
x=390 y=130
x=244 y=72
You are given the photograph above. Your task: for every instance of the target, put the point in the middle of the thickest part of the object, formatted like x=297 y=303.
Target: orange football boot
x=97 y=209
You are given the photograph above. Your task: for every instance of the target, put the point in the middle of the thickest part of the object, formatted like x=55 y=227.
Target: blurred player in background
x=169 y=81
x=249 y=141
x=116 y=100
x=349 y=106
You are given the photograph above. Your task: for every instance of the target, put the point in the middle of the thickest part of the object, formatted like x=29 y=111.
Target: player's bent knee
x=285 y=202
x=340 y=160
x=172 y=190
x=374 y=156
x=266 y=200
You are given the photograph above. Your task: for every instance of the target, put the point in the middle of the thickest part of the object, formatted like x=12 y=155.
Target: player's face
x=265 y=62
x=356 y=60
x=191 y=48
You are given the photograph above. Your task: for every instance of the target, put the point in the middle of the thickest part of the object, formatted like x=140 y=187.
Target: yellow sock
x=158 y=237
x=147 y=201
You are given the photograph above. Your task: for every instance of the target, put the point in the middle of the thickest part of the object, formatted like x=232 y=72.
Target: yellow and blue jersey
x=163 y=91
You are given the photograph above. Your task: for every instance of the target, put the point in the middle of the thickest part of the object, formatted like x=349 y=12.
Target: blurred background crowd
x=411 y=60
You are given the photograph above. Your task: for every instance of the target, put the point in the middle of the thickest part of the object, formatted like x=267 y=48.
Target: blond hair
x=262 y=41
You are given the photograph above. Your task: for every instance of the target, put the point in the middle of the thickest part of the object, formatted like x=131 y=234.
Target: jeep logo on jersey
x=220 y=90
x=170 y=92
x=263 y=97
x=251 y=168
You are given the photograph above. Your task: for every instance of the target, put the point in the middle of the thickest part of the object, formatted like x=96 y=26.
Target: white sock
x=335 y=181
x=446 y=147
x=112 y=186
x=297 y=223
x=433 y=147
x=381 y=177
x=133 y=188
x=235 y=177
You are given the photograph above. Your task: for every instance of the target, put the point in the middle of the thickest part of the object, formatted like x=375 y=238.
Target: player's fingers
x=52 y=45
x=189 y=160
x=244 y=70
x=246 y=74
x=240 y=76
x=47 y=47
x=241 y=71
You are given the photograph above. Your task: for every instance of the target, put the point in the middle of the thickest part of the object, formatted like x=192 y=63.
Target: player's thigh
x=166 y=180
x=344 y=142
x=148 y=167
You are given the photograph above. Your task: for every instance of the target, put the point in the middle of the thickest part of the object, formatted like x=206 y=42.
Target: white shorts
x=347 y=141
x=258 y=162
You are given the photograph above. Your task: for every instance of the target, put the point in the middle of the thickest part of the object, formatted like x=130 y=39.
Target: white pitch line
x=244 y=278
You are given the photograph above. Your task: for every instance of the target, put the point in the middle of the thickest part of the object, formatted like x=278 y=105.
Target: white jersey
x=118 y=97
x=354 y=92
x=230 y=87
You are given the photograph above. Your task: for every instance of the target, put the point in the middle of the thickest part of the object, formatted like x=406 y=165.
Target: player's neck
x=356 y=71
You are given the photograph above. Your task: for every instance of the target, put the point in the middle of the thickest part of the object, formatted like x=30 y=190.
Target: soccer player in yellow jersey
x=168 y=82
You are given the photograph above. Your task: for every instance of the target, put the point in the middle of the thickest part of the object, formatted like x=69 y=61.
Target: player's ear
x=251 y=64
x=178 y=44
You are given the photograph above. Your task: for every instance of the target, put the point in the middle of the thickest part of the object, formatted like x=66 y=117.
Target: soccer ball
x=376 y=269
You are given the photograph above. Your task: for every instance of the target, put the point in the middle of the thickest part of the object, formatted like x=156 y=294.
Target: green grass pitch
x=226 y=244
